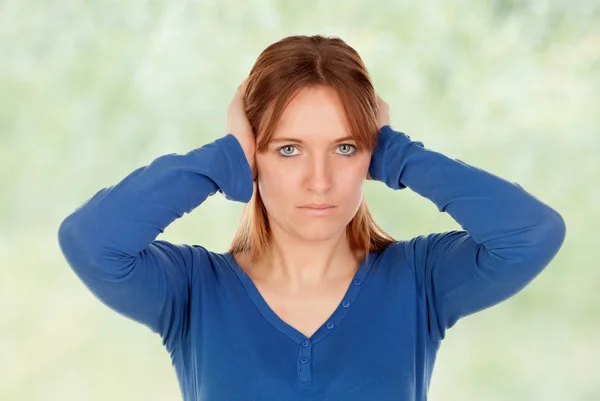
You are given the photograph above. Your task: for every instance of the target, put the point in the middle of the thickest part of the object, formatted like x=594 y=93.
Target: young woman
x=313 y=300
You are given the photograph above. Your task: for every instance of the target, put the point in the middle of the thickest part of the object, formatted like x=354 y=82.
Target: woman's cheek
x=275 y=183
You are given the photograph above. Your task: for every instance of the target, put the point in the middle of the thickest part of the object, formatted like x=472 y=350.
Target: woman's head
x=313 y=110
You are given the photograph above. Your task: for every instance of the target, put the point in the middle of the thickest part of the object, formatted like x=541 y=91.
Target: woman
x=313 y=301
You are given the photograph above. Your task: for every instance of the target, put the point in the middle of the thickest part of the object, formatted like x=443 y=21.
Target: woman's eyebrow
x=297 y=140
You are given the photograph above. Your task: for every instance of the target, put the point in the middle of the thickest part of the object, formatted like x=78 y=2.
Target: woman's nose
x=319 y=175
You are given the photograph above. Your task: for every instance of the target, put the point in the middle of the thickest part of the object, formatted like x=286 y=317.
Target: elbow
x=552 y=236
x=66 y=239
x=557 y=229
x=70 y=244
x=64 y=234
x=527 y=259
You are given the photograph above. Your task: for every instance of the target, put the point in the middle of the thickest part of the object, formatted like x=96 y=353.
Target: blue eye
x=348 y=148
x=286 y=154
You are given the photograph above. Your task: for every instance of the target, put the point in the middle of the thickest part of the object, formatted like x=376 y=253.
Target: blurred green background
x=89 y=91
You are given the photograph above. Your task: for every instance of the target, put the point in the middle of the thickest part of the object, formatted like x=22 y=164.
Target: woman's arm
x=110 y=243
x=509 y=235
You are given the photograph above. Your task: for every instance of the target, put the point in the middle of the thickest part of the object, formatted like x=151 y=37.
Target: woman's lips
x=318 y=210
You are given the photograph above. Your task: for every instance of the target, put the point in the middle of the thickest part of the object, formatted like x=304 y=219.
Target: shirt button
x=305 y=343
x=357 y=281
x=346 y=304
x=303 y=359
x=330 y=325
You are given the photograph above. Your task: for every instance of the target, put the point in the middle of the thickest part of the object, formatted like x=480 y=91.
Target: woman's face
x=311 y=159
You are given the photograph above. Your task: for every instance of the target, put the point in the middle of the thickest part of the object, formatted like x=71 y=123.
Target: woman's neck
x=298 y=264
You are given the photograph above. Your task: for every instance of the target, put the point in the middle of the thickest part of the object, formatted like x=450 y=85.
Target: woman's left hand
x=383 y=118
x=383 y=114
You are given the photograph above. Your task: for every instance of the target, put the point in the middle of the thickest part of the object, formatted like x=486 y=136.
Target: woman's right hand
x=239 y=126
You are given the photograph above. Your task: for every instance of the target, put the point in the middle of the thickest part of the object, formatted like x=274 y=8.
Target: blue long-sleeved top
x=381 y=341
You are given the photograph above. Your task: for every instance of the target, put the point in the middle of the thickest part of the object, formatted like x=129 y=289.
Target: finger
x=243 y=84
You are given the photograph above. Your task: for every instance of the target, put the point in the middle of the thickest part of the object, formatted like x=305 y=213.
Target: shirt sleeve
x=508 y=236
x=110 y=240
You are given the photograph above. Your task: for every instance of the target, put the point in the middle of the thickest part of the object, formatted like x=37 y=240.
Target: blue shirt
x=379 y=344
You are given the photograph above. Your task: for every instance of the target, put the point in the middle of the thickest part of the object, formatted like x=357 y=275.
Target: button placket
x=304 y=361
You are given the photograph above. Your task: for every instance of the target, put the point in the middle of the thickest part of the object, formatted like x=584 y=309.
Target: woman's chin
x=316 y=232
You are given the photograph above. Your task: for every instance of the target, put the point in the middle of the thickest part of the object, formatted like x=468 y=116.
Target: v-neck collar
x=330 y=324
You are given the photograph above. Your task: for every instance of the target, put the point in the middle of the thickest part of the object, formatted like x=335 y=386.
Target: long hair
x=279 y=73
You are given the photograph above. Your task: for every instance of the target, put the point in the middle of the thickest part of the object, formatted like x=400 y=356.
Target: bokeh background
x=89 y=91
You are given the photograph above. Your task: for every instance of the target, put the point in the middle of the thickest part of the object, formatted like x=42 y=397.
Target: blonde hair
x=279 y=73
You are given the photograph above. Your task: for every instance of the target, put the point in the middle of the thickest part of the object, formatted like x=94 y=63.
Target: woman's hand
x=383 y=119
x=239 y=126
x=383 y=115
